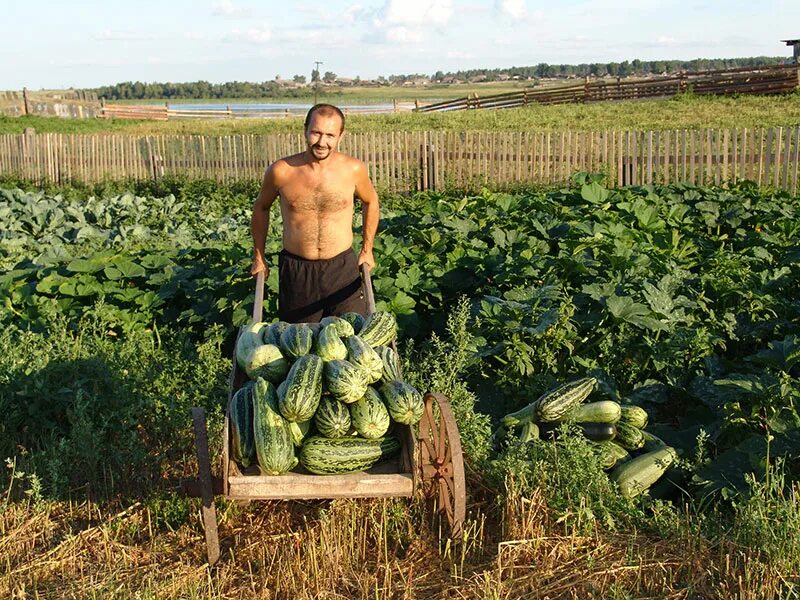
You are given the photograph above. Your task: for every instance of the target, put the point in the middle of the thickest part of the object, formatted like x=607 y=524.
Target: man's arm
x=370 y=208
x=259 y=222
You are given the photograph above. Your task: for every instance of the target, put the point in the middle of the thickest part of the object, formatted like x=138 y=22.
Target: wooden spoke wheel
x=441 y=461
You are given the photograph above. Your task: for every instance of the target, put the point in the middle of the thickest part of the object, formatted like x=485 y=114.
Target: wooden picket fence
x=407 y=161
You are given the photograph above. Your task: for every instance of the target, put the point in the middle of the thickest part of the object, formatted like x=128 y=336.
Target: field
x=119 y=303
x=684 y=112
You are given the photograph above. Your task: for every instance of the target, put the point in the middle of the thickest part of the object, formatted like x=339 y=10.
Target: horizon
x=111 y=42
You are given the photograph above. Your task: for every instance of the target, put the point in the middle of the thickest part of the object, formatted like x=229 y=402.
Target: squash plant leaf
x=594 y=193
x=623 y=308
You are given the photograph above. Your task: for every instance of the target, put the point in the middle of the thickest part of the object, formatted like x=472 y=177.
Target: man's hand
x=258 y=266
x=366 y=258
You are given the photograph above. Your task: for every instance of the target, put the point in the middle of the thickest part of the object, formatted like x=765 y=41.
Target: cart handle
x=366 y=283
x=258 y=305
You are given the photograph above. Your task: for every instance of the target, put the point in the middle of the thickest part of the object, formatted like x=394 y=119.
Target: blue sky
x=87 y=43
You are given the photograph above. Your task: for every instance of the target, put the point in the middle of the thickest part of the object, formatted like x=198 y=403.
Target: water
x=277 y=107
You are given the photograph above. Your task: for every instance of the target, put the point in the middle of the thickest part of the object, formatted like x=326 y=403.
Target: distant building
x=796 y=45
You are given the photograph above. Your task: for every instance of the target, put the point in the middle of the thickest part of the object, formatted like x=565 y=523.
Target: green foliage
x=570 y=475
x=442 y=366
x=85 y=409
x=767 y=518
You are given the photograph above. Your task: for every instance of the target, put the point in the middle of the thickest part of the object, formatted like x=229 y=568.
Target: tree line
x=137 y=90
x=613 y=69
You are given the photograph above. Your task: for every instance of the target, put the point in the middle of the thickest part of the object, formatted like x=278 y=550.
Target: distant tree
x=299 y=79
x=329 y=77
x=314 y=75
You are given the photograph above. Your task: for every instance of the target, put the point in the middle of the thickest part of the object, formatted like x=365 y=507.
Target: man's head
x=324 y=127
x=325 y=110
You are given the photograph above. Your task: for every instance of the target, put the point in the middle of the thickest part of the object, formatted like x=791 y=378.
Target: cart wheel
x=442 y=461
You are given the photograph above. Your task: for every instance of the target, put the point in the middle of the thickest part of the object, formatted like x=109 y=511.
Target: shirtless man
x=318 y=271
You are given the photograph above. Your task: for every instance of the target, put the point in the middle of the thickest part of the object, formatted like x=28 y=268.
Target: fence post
x=25 y=101
x=431 y=160
x=586 y=88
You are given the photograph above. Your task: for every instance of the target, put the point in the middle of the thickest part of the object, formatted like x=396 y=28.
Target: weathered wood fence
x=406 y=161
x=749 y=80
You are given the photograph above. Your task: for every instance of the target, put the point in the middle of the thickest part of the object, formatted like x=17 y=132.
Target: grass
x=675 y=113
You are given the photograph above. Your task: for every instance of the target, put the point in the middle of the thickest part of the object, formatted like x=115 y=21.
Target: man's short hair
x=324 y=110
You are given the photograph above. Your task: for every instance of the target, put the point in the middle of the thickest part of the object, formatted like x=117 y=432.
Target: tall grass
x=685 y=112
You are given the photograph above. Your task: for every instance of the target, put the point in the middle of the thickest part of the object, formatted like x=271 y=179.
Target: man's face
x=323 y=135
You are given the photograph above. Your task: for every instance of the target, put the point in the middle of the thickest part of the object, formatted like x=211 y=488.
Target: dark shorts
x=311 y=289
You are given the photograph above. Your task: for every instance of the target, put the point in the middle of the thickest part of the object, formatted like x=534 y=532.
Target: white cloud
x=254 y=35
x=460 y=55
x=226 y=8
x=122 y=36
x=511 y=8
x=352 y=13
x=416 y=12
x=403 y=35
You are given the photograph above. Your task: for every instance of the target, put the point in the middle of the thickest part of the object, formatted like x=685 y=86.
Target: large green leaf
x=594 y=193
x=625 y=309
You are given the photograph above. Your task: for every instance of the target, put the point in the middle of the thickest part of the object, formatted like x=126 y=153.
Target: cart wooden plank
x=365 y=484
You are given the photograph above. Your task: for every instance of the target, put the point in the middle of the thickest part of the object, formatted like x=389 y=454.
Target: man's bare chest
x=319 y=196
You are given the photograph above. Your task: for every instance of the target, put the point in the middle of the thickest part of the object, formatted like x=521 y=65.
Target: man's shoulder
x=351 y=162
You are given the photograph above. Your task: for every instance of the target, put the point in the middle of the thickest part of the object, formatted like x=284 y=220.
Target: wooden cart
x=430 y=461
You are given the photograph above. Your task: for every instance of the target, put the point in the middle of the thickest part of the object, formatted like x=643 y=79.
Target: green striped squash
x=328 y=345
x=296 y=341
x=342 y=327
x=403 y=401
x=240 y=420
x=355 y=319
x=299 y=431
x=272 y=333
x=345 y=381
x=369 y=415
x=611 y=454
x=361 y=355
x=635 y=416
x=629 y=437
x=249 y=338
x=324 y=456
x=380 y=329
x=273 y=440
x=332 y=418
x=303 y=389
x=391 y=363
x=553 y=405
x=266 y=361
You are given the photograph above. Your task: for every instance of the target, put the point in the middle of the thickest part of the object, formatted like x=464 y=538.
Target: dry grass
x=357 y=549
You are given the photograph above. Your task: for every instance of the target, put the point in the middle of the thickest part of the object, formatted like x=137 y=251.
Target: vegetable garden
x=119 y=309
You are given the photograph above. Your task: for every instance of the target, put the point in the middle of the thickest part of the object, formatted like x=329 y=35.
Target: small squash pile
x=635 y=458
x=324 y=395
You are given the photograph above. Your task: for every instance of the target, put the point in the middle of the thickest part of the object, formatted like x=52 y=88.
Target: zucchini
x=604 y=411
x=598 y=432
x=638 y=474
